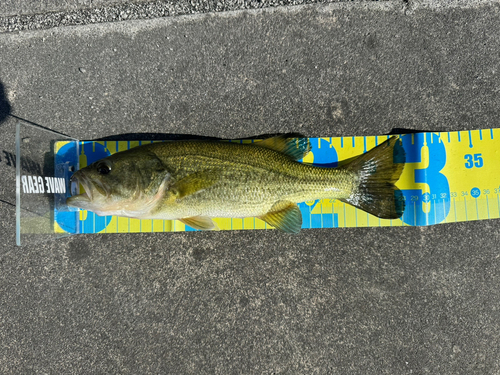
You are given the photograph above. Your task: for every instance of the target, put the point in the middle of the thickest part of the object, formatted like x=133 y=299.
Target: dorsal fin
x=294 y=147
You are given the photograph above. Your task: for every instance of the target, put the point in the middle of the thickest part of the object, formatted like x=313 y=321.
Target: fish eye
x=103 y=168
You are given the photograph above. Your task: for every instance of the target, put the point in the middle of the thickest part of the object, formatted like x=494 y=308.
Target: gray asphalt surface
x=346 y=301
x=18 y=7
x=18 y=15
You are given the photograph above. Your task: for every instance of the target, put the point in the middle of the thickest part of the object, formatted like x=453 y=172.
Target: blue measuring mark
x=491 y=133
x=86 y=226
x=101 y=222
x=364 y=141
x=498 y=204
x=328 y=221
x=316 y=220
x=465 y=204
x=470 y=140
x=459 y=139
x=435 y=218
x=475 y=193
x=342 y=142
x=321 y=213
x=344 y=216
x=488 y=207
x=480 y=134
x=455 y=206
x=353 y=141
x=449 y=140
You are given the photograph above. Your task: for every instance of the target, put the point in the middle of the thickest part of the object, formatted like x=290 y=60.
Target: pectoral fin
x=285 y=216
x=199 y=222
x=190 y=185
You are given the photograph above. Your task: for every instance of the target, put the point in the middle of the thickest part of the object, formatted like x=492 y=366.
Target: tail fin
x=377 y=171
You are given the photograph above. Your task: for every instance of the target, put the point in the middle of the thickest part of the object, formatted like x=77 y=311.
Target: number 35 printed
x=472 y=161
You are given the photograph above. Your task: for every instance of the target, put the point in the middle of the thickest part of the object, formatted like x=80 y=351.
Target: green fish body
x=194 y=181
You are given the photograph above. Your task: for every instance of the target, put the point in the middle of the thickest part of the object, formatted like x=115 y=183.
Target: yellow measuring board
x=448 y=177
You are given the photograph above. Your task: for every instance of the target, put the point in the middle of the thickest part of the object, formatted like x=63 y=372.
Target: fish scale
x=250 y=179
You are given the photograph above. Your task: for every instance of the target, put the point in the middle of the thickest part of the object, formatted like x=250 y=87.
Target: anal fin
x=285 y=216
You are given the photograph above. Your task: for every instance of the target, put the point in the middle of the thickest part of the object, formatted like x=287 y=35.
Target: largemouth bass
x=195 y=181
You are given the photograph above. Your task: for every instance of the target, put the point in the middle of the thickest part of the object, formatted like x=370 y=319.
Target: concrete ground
x=341 y=301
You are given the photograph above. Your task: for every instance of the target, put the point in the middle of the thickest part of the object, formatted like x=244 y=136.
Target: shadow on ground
x=5 y=107
x=179 y=137
x=6 y=157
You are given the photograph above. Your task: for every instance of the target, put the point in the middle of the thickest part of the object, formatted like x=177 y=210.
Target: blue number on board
x=438 y=183
x=325 y=156
x=478 y=160
x=475 y=192
x=472 y=161
x=469 y=164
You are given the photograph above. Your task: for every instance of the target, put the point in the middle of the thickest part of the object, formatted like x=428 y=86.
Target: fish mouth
x=86 y=197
